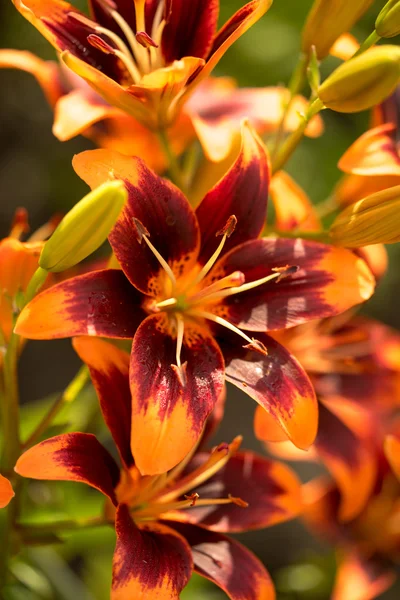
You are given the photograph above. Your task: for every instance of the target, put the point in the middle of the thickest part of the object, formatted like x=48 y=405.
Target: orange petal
x=392 y=451
x=152 y=561
x=355 y=187
x=374 y=153
x=6 y=491
x=376 y=257
x=170 y=404
x=345 y=46
x=361 y=578
x=47 y=73
x=293 y=207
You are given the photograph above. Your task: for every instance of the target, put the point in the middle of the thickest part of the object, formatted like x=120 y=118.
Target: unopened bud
x=387 y=23
x=372 y=220
x=327 y=20
x=362 y=82
x=84 y=228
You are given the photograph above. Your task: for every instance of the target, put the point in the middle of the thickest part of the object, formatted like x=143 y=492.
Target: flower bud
x=84 y=228
x=327 y=20
x=372 y=220
x=387 y=23
x=362 y=82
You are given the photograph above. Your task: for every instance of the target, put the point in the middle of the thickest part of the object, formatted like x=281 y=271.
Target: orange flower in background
x=373 y=160
x=145 y=57
x=213 y=113
x=174 y=522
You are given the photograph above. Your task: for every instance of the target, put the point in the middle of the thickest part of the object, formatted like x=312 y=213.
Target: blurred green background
x=36 y=172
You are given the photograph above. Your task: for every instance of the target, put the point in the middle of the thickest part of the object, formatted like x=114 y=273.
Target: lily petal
x=170 y=404
x=71 y=457
x=349 y=459
x=47 y=73
x=243 y=192
x=278 y=383
x=361 y=578
x=374 y=153
x=6 y=491
x=329 y=281
x=392 y=452
x=293 y=208
x=151 y=562
x=270 y=488
x=109 y=370
x=190 y=28
x=158 y=205
x=100 y=303
x=228 y=564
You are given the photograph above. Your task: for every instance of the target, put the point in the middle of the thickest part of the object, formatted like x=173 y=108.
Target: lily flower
x=192 y=303
x=144 y=57
x=176 y=520
x=372 y=162
x=213 y=113
x=354 y=365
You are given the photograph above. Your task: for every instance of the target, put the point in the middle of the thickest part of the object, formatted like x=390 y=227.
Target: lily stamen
x=226 y=232
x=166 y=303
x=143 y=234
x=220 y=321
x=98 y=42
x=233 y=280
x=278 y=276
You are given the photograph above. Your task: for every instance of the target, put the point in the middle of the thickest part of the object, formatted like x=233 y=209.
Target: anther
x=145 y=40
x=257 y=346
x=193 y=497
x=229 y=227
x=108 y=4
x=238 y=501
x=140 y=230
x=97 y=42
x=180 y=372
x=285 y=271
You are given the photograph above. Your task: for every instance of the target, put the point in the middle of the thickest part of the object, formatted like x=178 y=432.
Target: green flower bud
x=327 y=20
x=387 y=23
x=362 y=82
x=84 y=228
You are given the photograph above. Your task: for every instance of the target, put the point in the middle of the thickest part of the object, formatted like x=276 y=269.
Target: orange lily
x=176 y=520
x=145 y=57
x=6 y=491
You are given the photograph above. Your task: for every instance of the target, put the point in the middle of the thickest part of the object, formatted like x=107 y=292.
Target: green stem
x=371 y=40
x=38 y=279
x=295 y=86
x=291 y=143
x=25 y=529
x=68 y=396
x=174 y=169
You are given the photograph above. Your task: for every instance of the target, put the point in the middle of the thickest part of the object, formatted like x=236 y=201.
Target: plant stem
x=174 y=169
x=68 y=396
x=291 y=143
x=371 y=40
x=295 y=86
x=36 y=282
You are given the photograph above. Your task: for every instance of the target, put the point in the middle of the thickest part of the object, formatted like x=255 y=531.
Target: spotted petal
x=98 y=303
x=270 y=488
x=243 y=192
x=6 y=491
x=228 y=564
x=278 y=383
x=329 y=281
x=169 y=404
x=158 y=205
x=71 y=457
x=151 y=562
x=109 y=369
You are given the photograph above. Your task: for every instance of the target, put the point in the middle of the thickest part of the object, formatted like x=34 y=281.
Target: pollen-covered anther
x=145 y=40
x=140 y=230
x=97 y=42
x=180 y=372
x=238 y=501
x=229 y=227
x=193 y=497
x=257 y=346
x=285 y=271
